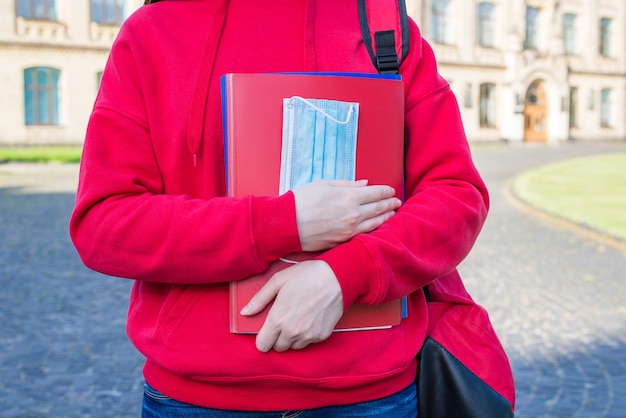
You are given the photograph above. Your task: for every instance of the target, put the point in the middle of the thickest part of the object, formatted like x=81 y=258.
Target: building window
x=532 y=28
x=606 y=96
x=591 y=100
x=569 y=33
x=486 y=24
x=41 y=96
x=99 y=75
x=573 y=107
x=468 y=96
x=441 y=22
x=37 y=9
x=108 y=12
x=605 y=37
x=487 y=105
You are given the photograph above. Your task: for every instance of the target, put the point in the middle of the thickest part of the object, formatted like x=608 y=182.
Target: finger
x=282 y=343
x=262 y=298
x=371 y=194
x=267 y=337
x=371 y=224
x=371 y=210
x=285 y=341
x=299 y=345
x=272 y=334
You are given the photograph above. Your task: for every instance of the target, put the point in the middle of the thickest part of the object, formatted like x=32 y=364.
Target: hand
x=307 y=305
x=330 y=212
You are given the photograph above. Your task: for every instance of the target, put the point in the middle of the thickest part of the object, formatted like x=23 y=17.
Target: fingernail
x=263 y=348
x=246 y=310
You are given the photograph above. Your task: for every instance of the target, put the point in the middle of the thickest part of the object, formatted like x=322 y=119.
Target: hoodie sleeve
x=446 y=200
x=132 y=220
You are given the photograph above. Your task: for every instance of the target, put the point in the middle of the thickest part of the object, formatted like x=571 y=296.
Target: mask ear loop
x=350 y=111
x=288 y=261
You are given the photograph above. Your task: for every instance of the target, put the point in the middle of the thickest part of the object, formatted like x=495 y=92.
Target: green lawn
x=58 y=154
x=590 y=191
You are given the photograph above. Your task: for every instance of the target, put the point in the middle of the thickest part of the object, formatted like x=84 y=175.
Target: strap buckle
x=387 y=63
x=386 y=56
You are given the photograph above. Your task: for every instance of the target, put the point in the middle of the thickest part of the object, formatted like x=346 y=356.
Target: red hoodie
x=151 y=205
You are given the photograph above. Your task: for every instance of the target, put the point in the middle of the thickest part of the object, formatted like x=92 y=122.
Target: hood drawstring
x=199 y=102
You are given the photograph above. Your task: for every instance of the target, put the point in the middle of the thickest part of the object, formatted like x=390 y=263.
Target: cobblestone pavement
x=557 y=297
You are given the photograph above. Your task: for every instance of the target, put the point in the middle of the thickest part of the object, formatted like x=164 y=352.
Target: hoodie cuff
x=274 y=227
x=355 y=270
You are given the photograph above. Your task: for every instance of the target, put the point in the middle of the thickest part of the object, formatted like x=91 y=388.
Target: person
x=151 y=207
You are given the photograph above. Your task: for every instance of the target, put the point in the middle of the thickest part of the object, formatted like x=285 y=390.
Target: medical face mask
x=319 y=141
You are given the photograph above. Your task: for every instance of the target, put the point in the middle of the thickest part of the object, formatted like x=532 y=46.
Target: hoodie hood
x=212 y=42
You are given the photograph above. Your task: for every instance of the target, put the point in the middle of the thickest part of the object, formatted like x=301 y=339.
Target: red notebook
x=252 y=107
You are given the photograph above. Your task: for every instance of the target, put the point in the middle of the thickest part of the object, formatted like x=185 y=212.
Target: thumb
x=262 y=298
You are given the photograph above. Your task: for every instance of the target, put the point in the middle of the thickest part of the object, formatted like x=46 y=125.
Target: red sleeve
x=128 y=223
x=446 y=200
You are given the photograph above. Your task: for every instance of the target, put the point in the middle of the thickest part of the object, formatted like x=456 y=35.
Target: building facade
x=532 y=70
x=52 y=54
x=522 y=70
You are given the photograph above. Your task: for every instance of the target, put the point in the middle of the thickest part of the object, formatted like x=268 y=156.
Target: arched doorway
x=535 y=114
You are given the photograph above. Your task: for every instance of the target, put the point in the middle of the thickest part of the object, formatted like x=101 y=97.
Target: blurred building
x=522 y=70
x=52 y=53
x=532 y=70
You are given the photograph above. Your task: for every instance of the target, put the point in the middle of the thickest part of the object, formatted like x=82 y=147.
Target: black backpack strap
x=385 y=30
x=427 y=294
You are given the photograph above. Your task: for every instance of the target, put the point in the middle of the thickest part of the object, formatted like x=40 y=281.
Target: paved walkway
x=557 y=297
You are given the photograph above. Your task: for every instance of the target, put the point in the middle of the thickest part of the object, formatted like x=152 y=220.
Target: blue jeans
x=400 y=405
